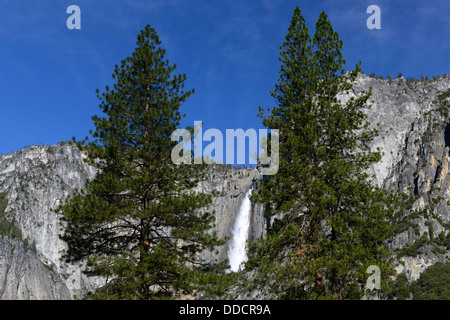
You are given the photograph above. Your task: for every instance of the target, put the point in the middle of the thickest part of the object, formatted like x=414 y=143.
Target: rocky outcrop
x=414 y=124
x=231 y=184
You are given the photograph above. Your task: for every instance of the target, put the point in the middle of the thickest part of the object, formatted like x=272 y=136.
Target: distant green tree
x=334 y=221
x=411 y=80
x=138 y=223
x=399 y=289
x=389 y=79
x=433 y=284
x=8 y=227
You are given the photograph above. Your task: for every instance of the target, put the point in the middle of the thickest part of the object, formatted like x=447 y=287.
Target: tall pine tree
x=137 y=223
x=334 y=221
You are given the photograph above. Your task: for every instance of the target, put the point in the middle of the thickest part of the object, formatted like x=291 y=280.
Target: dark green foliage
x=29 y=246
x=433 y=284
x=443 y=240
x=8 y=227
x=411 y=81
x=399 y=289
x=447 y=241
x=413 y=250
x=137 y=223
x=404 y=222
x=334 y=221
x=444 y=95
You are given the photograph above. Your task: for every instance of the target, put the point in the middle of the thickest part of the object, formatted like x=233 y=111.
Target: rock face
x=415 y=138
x=232 y=185
x=414 y=135
x=394 y=107
x=34 y=181
x=24 y=276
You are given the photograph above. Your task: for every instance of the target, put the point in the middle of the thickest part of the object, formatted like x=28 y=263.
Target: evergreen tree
x=137 y=223
x=334 y=221
x=433 y=284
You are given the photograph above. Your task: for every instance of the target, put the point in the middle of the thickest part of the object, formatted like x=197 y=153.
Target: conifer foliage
x=329 y=220
x=137 y=224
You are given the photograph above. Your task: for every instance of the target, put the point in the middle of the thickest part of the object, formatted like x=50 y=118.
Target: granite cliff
x=33 y=181
x=414 y=126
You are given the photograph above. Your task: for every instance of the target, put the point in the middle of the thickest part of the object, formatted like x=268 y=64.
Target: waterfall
x=237 y=249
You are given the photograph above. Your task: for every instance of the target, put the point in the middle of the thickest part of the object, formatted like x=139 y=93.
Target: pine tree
x=138 y=222
x=334 y=221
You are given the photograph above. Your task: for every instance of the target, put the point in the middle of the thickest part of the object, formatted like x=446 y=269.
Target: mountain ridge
x=413 y=121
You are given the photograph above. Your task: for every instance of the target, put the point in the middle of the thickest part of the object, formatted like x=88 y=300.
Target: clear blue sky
x=228 y=48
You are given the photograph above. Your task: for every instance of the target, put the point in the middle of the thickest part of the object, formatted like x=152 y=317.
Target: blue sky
x=228 y=49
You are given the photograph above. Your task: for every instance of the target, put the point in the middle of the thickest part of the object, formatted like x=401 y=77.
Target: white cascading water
x=237 y=249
